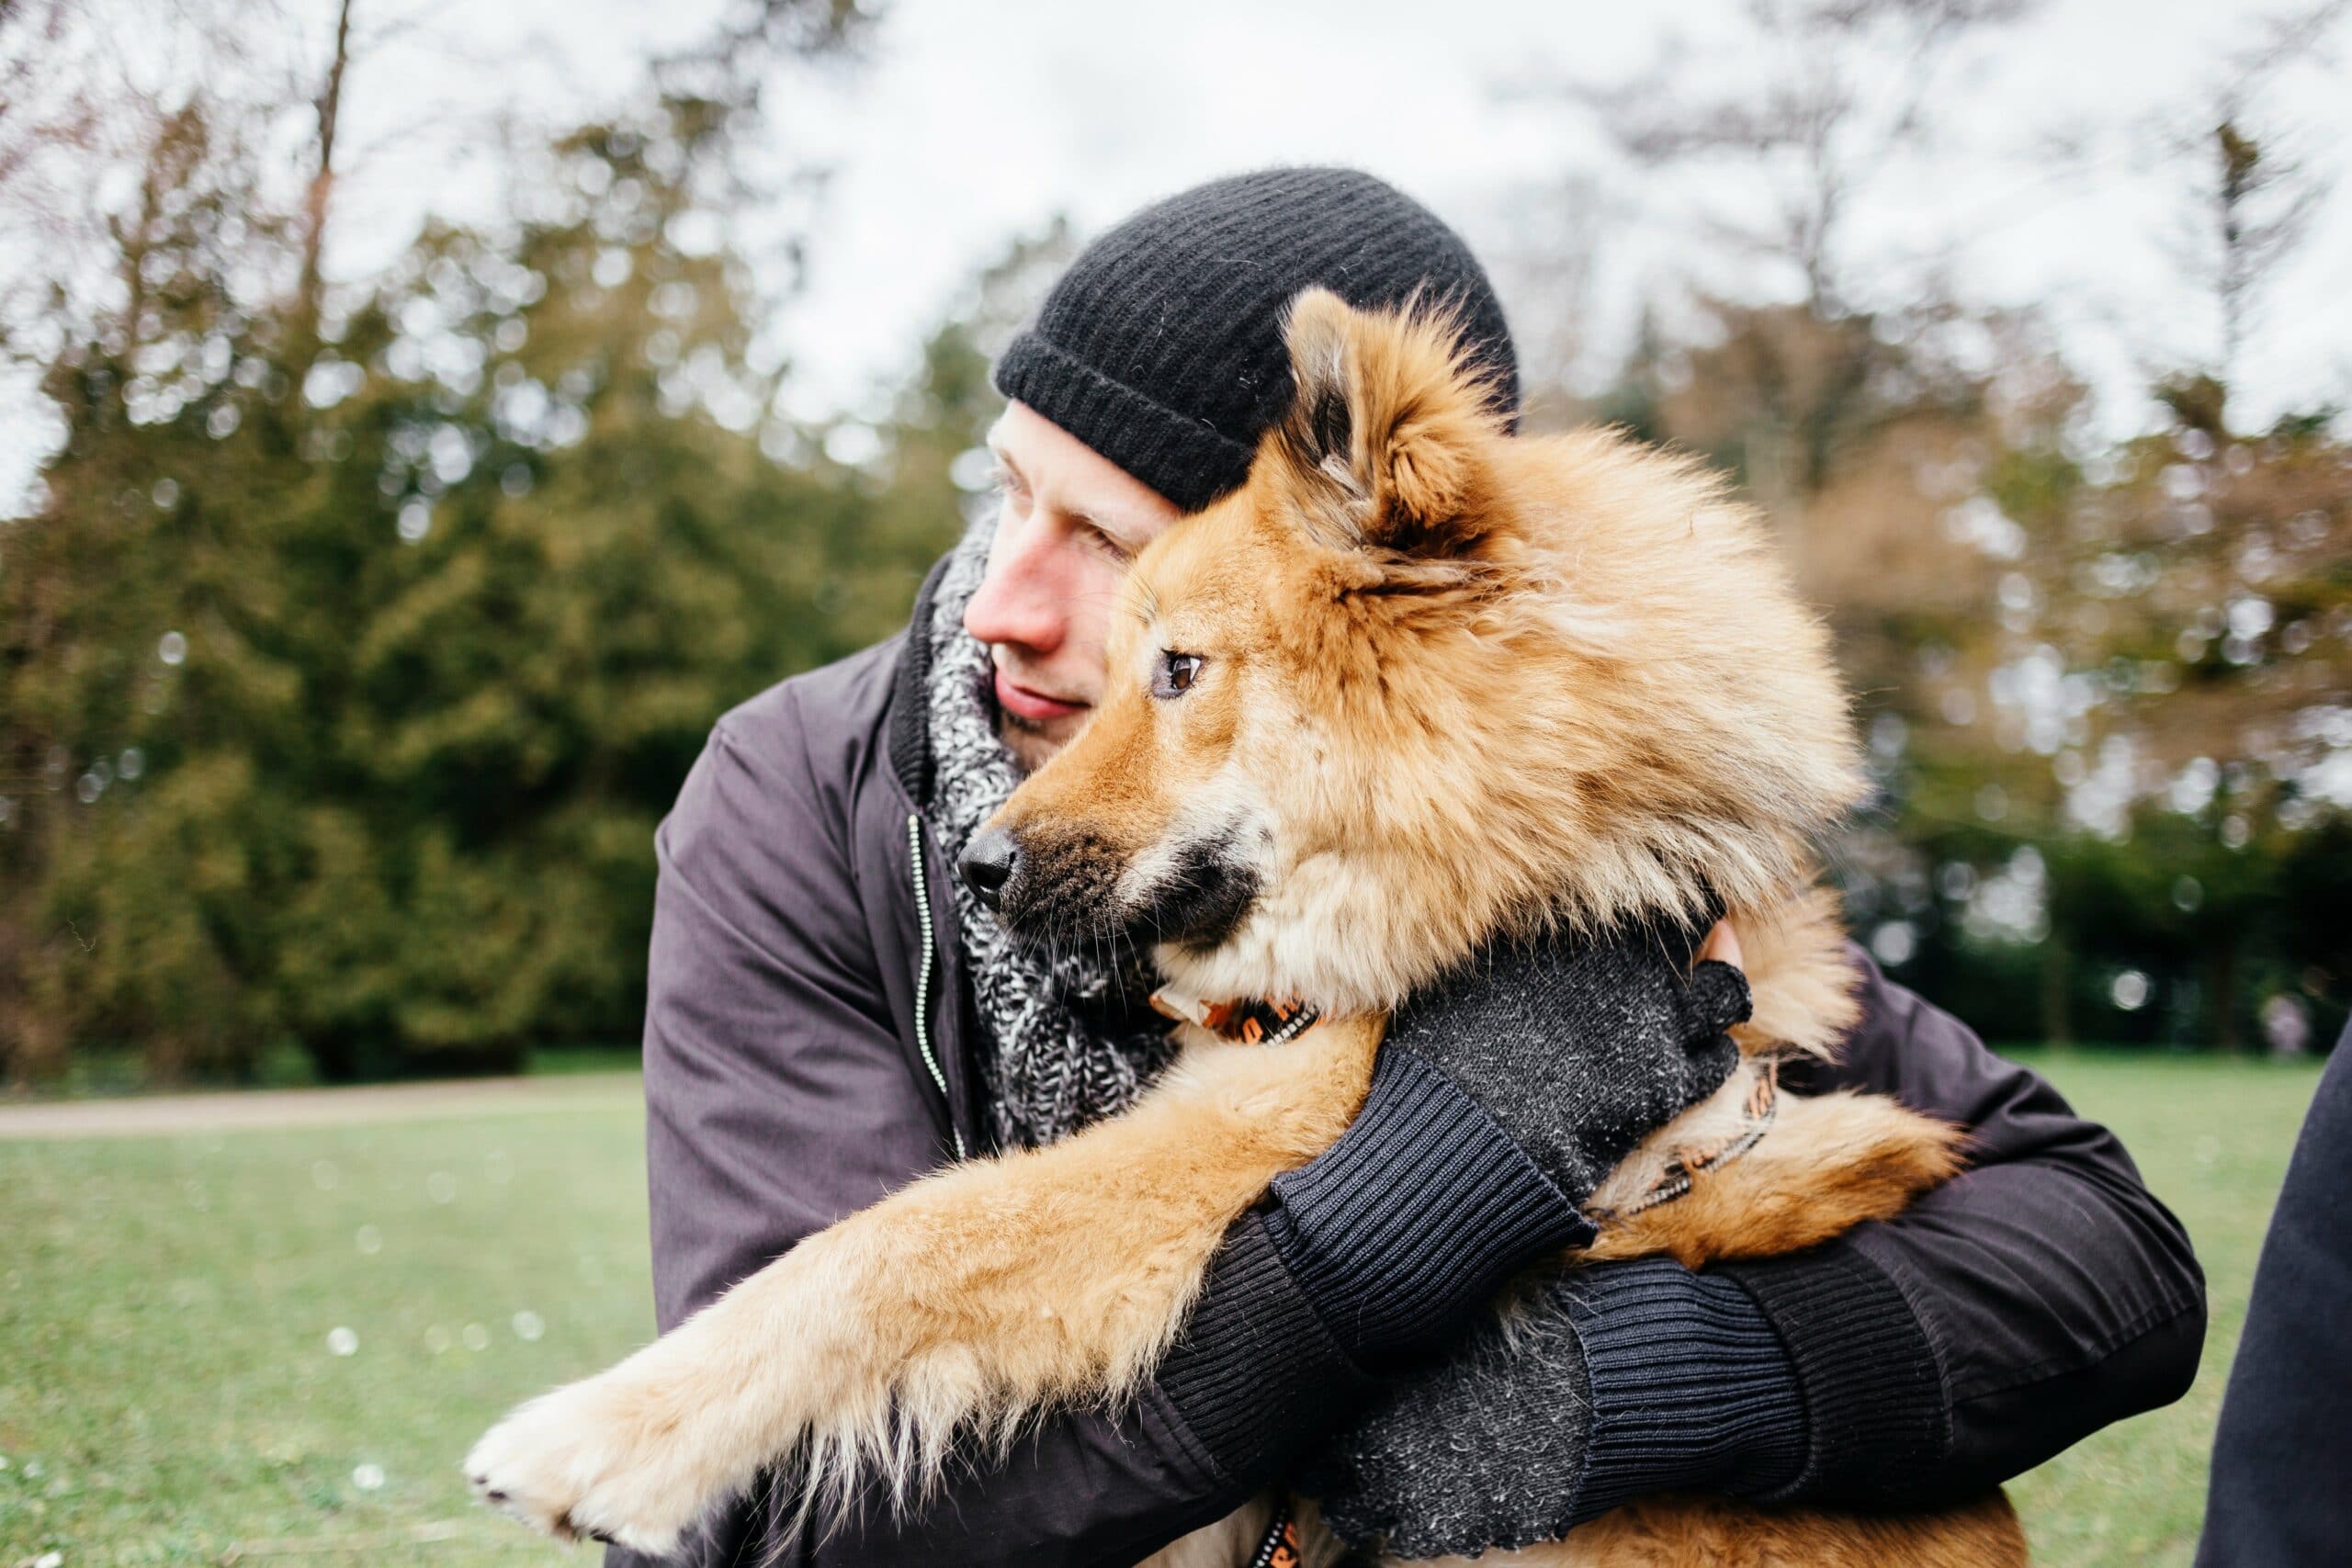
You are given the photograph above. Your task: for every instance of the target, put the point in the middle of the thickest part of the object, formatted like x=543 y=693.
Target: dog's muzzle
x=1067 y=885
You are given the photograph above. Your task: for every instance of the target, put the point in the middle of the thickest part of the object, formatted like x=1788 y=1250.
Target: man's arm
x=2036 y=1298
x=2042 y=1295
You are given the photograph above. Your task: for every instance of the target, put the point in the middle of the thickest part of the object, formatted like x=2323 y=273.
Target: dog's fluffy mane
x=1546 y=678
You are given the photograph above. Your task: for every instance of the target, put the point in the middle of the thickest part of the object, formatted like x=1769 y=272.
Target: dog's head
x=1418 y=682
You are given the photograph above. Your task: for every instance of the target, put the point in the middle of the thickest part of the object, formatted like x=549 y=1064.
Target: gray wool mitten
x=1579 y=1049
x=1504 y=1094
x=1609 y=1383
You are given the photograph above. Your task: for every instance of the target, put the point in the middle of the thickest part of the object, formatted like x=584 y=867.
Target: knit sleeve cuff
x=1691 y=1388
x=1256 y=1377
x=1416 y=1216
x=1879 y=1424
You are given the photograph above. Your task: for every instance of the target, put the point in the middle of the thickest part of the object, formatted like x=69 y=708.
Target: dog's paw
x=611 y=1458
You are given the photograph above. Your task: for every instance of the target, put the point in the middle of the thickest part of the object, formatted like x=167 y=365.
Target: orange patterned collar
x=1755 y=1120
x=1279 y=1547
x=1252 y=1021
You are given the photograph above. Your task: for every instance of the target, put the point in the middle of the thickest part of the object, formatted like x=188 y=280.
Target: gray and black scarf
x=1066 y=1038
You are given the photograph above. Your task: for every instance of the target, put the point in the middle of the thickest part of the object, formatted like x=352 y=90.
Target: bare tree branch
x=314 y=205
x=1816 y=126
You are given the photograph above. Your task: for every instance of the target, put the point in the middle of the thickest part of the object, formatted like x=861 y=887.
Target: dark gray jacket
x=2282 y=1434
x=806 y=1054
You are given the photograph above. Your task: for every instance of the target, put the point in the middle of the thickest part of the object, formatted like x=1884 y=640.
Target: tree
x=2253 y=204
x=360 y=634
x=1829 y=96
x=1858 y=424
x=2104 y=681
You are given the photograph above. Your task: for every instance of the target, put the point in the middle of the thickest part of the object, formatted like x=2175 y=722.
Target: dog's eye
x=1176 y=675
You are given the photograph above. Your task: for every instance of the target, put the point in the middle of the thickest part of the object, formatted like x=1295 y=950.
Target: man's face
x=1071 y=520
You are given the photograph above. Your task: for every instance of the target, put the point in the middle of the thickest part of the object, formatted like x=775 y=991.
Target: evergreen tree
x=358 y=640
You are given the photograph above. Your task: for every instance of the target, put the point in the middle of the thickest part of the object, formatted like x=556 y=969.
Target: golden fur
x=1453 y=684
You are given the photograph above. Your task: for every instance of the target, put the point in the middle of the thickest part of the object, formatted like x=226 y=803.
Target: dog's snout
x=987 y=865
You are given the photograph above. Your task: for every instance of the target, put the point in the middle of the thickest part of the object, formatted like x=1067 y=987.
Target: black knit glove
x=1611 y=1383
x=1504 y=1095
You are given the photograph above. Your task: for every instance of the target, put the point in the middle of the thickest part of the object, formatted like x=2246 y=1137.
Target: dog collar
x=1674 y=1181
x=1252 y=1021
x=1279 y=1547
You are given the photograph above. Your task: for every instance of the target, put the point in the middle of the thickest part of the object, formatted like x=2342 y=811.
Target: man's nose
x=988 y=863
x=1026 y=595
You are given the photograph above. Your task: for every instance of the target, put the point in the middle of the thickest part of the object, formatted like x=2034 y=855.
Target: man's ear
x=1382 y=441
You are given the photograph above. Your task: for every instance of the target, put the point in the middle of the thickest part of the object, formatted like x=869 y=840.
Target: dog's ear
x=1381 y=447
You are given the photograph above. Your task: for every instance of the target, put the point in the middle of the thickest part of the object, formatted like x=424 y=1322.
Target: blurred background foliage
x=359 y=633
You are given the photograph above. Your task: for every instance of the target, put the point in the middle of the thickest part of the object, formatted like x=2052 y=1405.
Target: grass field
x=273 y=1346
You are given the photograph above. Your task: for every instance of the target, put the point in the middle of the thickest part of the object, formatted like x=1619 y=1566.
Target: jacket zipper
x=923 y=977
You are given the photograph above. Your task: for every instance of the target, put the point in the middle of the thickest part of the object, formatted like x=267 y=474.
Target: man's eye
x=1176 y=675
x=1009 y=486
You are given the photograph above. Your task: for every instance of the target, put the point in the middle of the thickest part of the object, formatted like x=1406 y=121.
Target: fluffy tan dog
x=1416 y=684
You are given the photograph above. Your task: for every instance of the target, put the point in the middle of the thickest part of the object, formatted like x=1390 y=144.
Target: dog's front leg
x=961 y=1303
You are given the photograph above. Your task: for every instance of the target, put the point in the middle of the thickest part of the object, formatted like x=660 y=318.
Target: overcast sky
x=972 y=122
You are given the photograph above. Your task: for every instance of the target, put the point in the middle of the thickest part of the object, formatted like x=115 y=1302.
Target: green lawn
x=172 y=1312
x=170 y=1309
x=111 y=1072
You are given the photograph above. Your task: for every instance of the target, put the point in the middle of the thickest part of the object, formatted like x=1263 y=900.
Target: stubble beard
x=1029 y=741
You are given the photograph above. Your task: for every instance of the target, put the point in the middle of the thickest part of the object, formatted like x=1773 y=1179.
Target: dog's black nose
x=988 y=863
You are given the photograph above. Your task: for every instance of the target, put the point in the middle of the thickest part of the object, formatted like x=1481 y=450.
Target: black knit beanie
x=1162 y=347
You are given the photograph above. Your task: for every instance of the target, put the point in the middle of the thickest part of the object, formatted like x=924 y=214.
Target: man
x=830 y=1017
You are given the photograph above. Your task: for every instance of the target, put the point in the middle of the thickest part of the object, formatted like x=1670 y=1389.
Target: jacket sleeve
x=779 y=1100
x=2040 y=1296
x=2036 y=1298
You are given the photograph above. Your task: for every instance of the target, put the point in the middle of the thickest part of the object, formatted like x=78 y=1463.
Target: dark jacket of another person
x=2282 y=1491
x=806 y=1055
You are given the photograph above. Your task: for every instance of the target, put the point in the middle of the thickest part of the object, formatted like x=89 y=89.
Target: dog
x=1416 y=684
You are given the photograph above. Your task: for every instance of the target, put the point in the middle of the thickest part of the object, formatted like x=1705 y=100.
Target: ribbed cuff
x=1879 y=1422
x=1256 y=1377
x=1416 y=1216
x=1689 y=1386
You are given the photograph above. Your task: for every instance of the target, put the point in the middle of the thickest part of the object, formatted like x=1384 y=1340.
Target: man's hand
x=1505 y=1094
x=1423 y=1467
x=1579 y=1048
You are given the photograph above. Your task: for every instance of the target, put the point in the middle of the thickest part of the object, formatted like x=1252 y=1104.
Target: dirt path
x=165 y=1115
